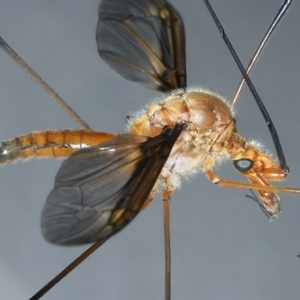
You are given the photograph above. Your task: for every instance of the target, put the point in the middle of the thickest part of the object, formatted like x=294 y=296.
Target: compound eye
x=243 y=165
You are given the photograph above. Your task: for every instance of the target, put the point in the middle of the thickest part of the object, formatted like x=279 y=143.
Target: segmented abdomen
x=50 y=143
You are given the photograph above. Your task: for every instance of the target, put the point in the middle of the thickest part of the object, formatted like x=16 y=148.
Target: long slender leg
x=67 y=270
x=42 y=83
x=166 y=196
x=227 y=183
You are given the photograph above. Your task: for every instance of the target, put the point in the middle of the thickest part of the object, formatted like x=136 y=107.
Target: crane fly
x=152 y=132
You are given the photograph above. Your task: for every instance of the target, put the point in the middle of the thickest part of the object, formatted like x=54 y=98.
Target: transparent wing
x=100 y=189
x=143 y=40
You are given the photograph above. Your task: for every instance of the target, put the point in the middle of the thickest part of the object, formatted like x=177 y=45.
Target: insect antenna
x=257 y=98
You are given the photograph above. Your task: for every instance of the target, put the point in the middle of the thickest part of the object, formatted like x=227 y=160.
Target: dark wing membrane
x=143 y=40
x=100 y=189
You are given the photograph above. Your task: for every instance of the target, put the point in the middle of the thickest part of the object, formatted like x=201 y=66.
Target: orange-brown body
x=210 y=136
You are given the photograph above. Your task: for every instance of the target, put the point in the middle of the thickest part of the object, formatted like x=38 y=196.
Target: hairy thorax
x=209 y=137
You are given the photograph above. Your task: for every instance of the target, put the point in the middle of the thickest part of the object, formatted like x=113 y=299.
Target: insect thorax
x=209 y=137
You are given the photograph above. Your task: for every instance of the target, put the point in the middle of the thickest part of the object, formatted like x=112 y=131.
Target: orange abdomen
x=50 y=143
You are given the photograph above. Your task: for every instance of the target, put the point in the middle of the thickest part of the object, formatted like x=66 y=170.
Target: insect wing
x=143 y=40
x=100 y=189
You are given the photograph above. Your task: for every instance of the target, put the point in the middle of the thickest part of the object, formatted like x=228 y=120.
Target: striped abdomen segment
x=50 y=143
